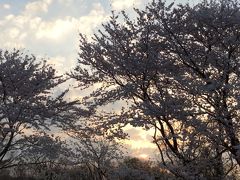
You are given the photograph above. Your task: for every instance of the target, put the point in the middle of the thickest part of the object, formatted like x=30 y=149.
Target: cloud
x=14 y=33
x=139 y=142
x=55 y=35
x=62 y=64
x=87 y=24
x=59 y=28
x=142 y=151
x=59 y=62
x=55 y=30
x=66 y=2
x=6 y=6
x=36 y=7
x=124 y=4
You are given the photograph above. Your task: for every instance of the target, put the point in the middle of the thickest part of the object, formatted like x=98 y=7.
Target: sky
x=49 y=29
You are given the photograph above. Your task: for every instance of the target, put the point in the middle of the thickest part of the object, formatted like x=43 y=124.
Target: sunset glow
x=50 y=28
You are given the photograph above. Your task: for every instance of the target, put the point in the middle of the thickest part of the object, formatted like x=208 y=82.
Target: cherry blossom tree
x=29 y=108
x=98 y=153
x=178 y=69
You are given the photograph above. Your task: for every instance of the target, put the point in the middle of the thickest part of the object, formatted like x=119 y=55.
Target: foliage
x=134 y=168
x=178 y=68
x=28 y=108
x=98 y=154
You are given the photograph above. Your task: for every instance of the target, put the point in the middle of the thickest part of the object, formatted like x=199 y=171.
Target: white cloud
x=124 y=4
x=9 y=17
x=59 y=28
x=55 y=30
x=57 y=61
x=30 y=31
x=56 y=38
x=14 y=33
x=36 y=7
x=87 y=24
x=11 y=45
x=20 y=21
x=66 y=2
x=62 y=63
x=35 y=22
x=6 y=6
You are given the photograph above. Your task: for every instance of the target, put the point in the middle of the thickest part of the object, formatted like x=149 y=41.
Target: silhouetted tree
x=29 y=107
x=178 y=69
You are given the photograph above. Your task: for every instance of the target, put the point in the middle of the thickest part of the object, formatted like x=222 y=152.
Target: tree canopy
x=28 y=108
x=178 y=68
